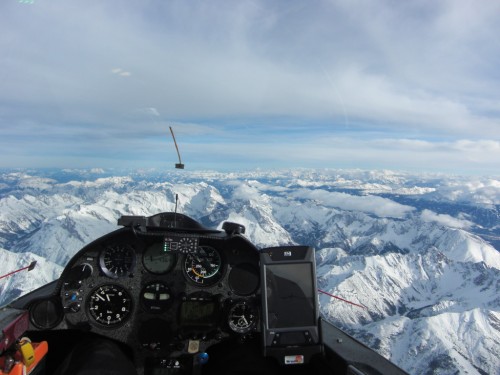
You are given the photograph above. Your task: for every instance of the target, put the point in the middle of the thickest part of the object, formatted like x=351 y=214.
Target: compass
x=156 y=297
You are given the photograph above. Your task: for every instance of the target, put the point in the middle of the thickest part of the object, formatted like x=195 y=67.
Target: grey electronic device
x=290 y=319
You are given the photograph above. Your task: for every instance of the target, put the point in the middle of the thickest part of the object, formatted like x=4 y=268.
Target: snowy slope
x=23 y=281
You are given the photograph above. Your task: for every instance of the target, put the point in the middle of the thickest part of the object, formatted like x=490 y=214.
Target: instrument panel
x=176 y=293
x=166 y=294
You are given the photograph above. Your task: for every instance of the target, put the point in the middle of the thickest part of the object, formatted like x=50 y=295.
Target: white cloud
x=378 y=206
x=446 y=220
x=325 y=151
x=246 y=192
x=149 y=111
x=483 y=191
x=120 y=72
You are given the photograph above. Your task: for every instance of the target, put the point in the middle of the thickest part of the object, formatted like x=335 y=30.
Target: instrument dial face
x=242 y=317
x=156 y=297
x=117 y=260
x=187 y=245
x=158 y=260
x=204 y=266
x=110 y=305
x=77 y=274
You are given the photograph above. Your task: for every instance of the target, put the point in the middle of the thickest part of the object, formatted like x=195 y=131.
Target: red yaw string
x=29 y=268
x=352 y=303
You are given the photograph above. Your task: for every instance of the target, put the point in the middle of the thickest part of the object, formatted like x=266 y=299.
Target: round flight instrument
x=204 y=266
x=156 y=297
x=117 y=260
x=158 y=260
x=110 y=305
x=187 y=245
x=243 y=279
x=242 y=317
x=77 y=274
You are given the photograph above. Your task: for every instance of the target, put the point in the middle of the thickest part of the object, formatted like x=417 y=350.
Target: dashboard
x=172 y=294
x=164 y=293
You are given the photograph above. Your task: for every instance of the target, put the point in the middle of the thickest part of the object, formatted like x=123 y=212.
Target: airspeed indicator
x=203 y=267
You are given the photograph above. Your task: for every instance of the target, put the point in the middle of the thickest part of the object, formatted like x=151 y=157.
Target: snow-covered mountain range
x=421 y=252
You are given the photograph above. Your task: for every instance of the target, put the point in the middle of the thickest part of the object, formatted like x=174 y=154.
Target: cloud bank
x=415 y=82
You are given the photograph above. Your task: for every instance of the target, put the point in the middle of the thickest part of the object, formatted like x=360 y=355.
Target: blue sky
x=410 y=85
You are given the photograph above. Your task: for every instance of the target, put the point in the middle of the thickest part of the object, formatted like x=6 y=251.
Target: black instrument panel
x=164 y=294
x=175 y=293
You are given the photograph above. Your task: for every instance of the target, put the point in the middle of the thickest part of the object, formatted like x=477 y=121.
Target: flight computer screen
x=198 y=314
x=290 y=295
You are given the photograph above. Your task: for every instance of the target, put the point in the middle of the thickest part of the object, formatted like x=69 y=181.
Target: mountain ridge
x=423 y=276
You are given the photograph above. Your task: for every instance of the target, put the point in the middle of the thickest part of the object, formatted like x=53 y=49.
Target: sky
x=386 y=84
